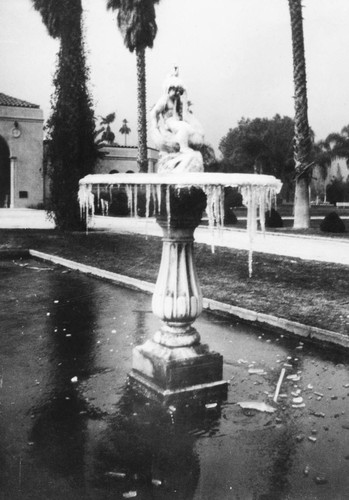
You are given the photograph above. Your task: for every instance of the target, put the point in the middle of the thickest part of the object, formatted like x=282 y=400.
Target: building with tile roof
x=24 y=163
x=21 y=153
x=7 y=100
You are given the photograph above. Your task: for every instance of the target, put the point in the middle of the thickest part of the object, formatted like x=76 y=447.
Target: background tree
x=107 y=135
x=136 y=21
x=336 y=145
x=261 y=145
x=125 y=129
x=302 y=143
x=71 y=126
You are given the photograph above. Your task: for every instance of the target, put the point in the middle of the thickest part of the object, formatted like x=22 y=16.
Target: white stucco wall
x=124 y=159
x=28 y=151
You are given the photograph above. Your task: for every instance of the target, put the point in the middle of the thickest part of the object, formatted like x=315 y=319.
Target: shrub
x=273 y=218
x=332 y=223
x=232 y=198
x=229 y=216
x=119 y=204
x=337 y=191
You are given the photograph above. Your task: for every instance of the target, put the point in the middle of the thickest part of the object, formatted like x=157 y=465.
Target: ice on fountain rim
x=185 y=179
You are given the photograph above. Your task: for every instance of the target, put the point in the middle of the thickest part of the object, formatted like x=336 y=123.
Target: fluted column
x=174 y=364
x=177 y=298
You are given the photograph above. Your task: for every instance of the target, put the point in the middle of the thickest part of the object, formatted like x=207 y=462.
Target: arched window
x=114 y=172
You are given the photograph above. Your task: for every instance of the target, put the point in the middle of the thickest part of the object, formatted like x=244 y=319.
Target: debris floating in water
x=130 y=494
x=258 y=193
x=278 y=386
x=257 y=405
x=117 y=475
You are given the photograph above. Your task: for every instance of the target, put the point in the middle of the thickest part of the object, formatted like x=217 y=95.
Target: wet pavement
x=71 y=428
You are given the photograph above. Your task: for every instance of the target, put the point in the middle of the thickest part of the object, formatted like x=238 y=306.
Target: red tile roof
x=6 y=100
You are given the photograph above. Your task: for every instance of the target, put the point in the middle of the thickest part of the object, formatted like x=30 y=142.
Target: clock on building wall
x=15 y=131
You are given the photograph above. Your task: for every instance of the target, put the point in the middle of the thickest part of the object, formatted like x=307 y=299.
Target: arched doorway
x=4 y=174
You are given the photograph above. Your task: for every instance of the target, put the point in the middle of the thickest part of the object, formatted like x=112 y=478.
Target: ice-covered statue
x=175 y=129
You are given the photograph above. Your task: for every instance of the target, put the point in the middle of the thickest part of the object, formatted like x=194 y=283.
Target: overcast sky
x=234 y=56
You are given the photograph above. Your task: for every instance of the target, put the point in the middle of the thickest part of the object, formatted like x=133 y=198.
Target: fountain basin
x=174 y=363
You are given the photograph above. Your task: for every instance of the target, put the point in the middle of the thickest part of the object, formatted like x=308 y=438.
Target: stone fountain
x=174 y=363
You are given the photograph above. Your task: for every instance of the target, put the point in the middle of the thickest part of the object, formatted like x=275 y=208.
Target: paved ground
x=26 y=218
x=305 y=247
x=71 y=429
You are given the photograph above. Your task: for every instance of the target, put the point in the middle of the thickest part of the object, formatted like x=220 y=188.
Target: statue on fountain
x=175 y=129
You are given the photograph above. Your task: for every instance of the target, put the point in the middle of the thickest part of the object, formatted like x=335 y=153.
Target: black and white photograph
x=174 y=250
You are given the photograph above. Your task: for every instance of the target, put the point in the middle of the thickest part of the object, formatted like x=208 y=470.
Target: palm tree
x=125 y=130
x=136 y=21
x=303 y=143
x=71 y=126
x=108 y=135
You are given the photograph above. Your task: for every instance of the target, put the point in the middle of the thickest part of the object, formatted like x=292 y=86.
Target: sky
x=234 y=56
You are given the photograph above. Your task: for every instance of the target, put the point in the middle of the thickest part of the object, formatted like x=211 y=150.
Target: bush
x=119 y=204
x=332 y=223
x=337 y=191
x=232 y=198
x=229 y=217
x=273 y=218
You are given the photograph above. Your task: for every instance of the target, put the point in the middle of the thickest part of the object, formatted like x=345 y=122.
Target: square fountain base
x=169 y=374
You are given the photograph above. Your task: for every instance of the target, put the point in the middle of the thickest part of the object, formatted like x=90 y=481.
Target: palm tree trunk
x=302 y=147
x=142 y=111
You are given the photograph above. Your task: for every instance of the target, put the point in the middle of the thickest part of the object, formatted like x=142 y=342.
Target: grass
x=312 y=293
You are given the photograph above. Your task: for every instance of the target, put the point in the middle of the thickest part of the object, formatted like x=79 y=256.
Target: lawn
x=312 y=293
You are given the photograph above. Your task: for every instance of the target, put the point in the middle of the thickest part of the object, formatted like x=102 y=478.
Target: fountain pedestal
x=174 y=363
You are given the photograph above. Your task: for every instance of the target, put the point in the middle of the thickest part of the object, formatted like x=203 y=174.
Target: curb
x=298 y=329
x=95 y=271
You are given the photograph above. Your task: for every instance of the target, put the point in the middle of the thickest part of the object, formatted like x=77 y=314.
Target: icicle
x=249 y=202
x=135 y=198
x=80 y=200
x=221 y=203
x=99 y=194
x=158 y=196
x=147 y=200
x=168 y=206
x=214 y=205
x=262 y=202
x=129 y=196
x=152 y=199
x=209 y=191
x=86 y=203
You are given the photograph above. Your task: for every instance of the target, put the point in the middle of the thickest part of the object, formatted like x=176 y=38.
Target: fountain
x=174 y=363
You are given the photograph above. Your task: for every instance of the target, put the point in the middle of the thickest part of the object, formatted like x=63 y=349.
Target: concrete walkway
x=291 y=245
x=322 y=249
x=24 y=218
